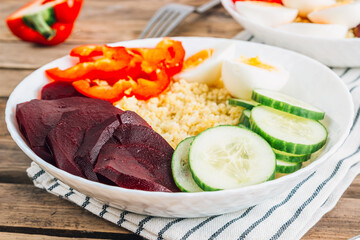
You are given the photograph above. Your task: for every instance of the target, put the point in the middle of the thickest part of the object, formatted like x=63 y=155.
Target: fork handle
x=207 y=6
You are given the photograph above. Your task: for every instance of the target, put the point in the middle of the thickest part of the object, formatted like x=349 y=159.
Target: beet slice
x=93 y=141
x=130 y=117
x=58 y=90
x=37 y=117
x=136 y=134
x=157 y=163
x=66 y=137
x=117 y=163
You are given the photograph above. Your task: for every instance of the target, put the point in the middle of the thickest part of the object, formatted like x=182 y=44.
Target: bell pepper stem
x=41 y=22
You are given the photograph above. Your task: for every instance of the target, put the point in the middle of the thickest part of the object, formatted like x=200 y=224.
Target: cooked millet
x=184 y=110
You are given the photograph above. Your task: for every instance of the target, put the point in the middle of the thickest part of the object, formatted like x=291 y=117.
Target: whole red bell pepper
x=47 y=22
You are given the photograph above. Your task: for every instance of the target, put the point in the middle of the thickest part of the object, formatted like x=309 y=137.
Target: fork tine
x=175 y=23
x=166 y=19
x=174 y=15
x=156 y=26
x=159 y=13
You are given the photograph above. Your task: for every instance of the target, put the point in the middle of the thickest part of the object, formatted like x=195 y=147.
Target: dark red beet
x=93 y=141
x=157 y=163
x=37 y=117
x=135 y=134
x=57 y=90
x=66 y=137
x=130 y=117
x=119 y=165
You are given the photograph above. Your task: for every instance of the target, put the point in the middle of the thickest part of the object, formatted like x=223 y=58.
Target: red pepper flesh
x=47 y=22
x=102 y=90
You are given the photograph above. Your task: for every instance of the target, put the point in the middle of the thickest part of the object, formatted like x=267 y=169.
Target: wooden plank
x=21 y=236
x=124 y=21
x=10 y=78
x=35 y=208
x=343 y=222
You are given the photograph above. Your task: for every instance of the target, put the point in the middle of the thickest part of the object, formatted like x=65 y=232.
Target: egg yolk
x=255 y=61
x=198 y=58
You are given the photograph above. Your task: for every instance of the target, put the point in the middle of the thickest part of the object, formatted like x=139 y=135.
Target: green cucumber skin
x=288 y=147
x=241 y=103
x=244 y=119
x=178 y=184
x=288 y=169
x=285 y=107
x=292 y=159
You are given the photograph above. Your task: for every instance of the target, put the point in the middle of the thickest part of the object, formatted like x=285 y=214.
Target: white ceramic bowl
x=332 y=52
x=309 y=81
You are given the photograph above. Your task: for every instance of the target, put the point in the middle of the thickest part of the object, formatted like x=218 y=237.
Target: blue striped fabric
x=288 y=216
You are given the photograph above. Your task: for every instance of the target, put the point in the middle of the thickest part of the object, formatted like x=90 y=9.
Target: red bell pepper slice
x=116 y=64
x=152 y=58
x=47 y=22
x=86 y=53
x=148 y=88
x=102 y=90
x=175 y=56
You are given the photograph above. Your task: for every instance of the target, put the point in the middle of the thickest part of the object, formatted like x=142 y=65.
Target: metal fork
x=169 y=16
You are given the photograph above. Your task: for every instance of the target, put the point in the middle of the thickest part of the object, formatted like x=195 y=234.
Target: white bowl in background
x=332 y=52
x=309 y=81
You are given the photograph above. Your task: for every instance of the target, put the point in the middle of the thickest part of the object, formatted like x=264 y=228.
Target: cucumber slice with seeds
x=180 y=167
x=242 y=103
x=286 y=103
x=226 y=157
x=245 y=118
x=289 y=157
x=287 y=167
x=287 y=132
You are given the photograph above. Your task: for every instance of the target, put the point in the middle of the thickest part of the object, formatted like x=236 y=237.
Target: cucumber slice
x=226 y=157
x=289 y=157
x=242 y=103
x=180 y=167
x=287 y=132
x=245 y=118
x=286 y=103
x=287 y=167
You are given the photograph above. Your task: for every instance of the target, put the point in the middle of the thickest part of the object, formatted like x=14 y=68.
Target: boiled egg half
x=316 y=30
x=347 y=14
x=269 y=14
x=307 y=6
x=205 y=65
x=242 y=75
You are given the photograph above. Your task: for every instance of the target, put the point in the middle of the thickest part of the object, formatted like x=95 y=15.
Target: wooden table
x=27 y=212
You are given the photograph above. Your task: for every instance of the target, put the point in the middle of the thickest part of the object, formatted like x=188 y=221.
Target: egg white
x=316 y=30
x=209 y=71
x=307 y=6
x=266 y=13
x=345 y=14
x=241 y=78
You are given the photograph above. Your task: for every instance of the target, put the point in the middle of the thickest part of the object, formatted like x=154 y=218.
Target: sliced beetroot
x=93 y=141
x=130 y=117
x=157 y=163
x=57 y=90
x=66 y=137
x=118 y=164
x=37 y=117
x=136 y=134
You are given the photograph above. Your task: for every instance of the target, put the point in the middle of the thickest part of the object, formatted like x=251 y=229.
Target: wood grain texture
x=30 y=213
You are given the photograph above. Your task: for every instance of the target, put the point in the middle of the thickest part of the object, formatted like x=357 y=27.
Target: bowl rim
x=228 y=5
x=20 y=141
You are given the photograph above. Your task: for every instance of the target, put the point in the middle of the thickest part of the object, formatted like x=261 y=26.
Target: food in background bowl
x=342 y=16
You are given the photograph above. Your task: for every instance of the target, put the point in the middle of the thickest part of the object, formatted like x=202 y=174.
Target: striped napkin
x=288 y=216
